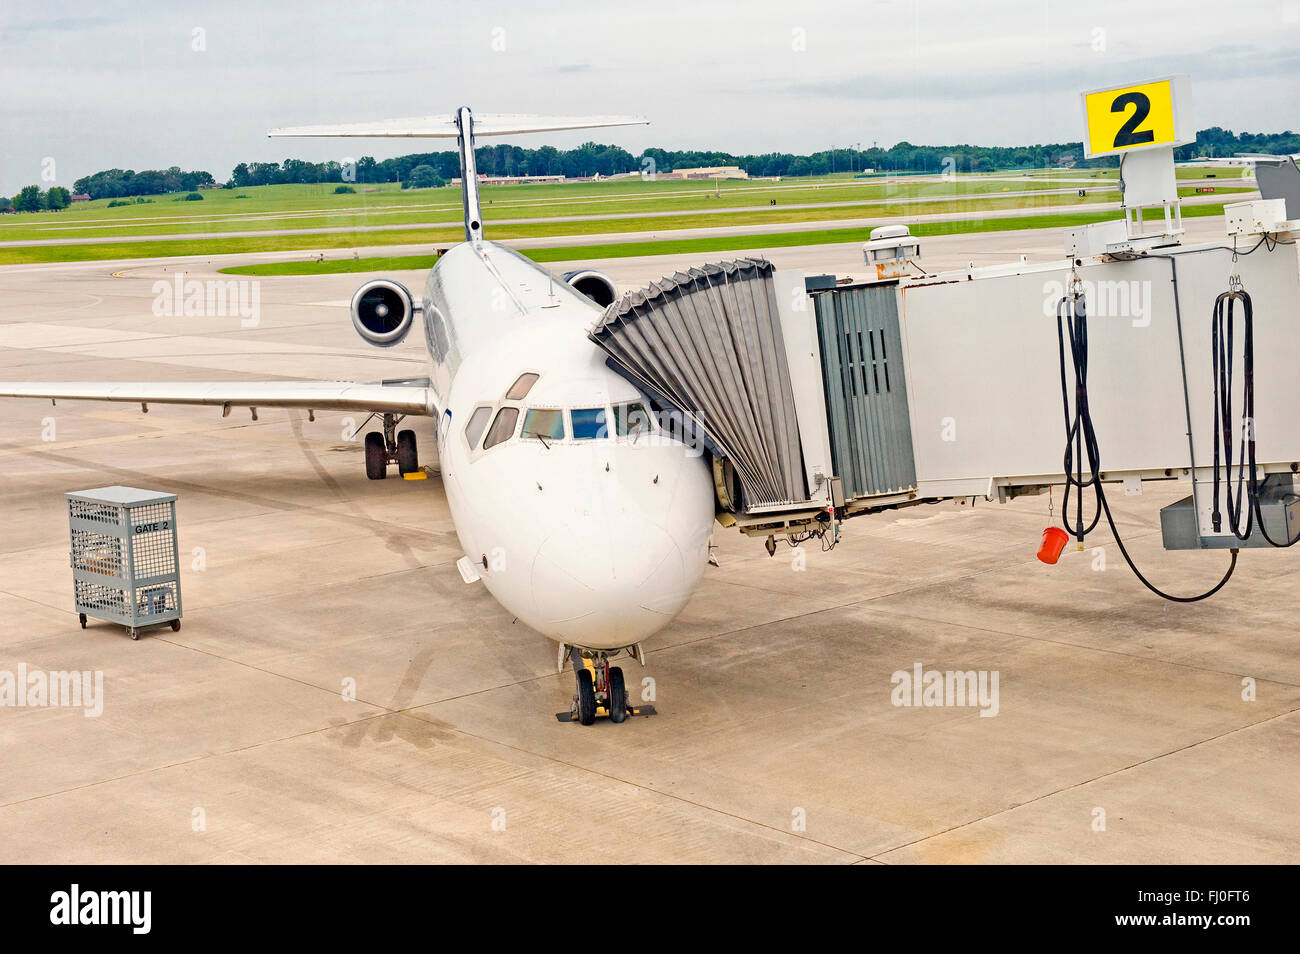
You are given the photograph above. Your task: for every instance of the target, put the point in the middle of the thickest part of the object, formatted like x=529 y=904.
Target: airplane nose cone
x=609 y=587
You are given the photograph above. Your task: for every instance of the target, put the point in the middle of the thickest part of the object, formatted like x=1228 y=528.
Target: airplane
x=583 y=514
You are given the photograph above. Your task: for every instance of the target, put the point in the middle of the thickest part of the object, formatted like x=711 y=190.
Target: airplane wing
x=407 y=397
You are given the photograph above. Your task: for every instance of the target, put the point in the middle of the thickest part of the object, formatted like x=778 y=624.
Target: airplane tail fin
x=462 y=126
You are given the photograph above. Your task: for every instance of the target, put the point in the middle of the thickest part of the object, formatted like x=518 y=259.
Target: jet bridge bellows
x=708 y=343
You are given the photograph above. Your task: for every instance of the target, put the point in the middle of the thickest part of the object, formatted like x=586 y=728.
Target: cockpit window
x=631 y=419
x=477 y=421
x=588 y=423
x=545 y=424
x=523 y=384
x=503 y=428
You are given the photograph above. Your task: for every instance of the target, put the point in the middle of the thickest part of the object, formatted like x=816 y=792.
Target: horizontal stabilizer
x=444 y=127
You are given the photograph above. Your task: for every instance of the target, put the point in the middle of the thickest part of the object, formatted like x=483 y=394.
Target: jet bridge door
x=866 y=392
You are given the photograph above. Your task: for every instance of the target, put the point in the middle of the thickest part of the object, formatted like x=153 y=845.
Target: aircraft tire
x=408 y=459
x=586 y=698
x=376 y=456
x=617 y=696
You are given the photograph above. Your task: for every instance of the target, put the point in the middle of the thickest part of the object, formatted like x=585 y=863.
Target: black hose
x=1081 y=438
x=1222 y=331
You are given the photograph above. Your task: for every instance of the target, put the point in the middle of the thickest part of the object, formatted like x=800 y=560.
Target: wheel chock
x=601 y=713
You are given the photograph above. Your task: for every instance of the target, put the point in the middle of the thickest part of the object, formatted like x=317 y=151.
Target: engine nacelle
x=597 y=286
x=383 y=312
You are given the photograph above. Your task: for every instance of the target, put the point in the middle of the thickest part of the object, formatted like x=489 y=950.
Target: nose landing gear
x=601 y=689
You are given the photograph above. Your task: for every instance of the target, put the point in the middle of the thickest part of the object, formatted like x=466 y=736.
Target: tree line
x=591 y=159
x=124 y=183
x=32 y=199
x=420 y=170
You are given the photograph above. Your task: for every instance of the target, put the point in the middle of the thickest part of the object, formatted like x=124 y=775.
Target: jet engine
x=597 y=286
x=383 y=312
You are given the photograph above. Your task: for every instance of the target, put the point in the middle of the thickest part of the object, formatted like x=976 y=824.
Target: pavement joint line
x=906 y=589
x=632 y=784
x=188 y=761
x=1084 y=646
x=895 y=613
x=409 y=712
x=870 y=599
x=1080 y=784
x=28 y=599
x=190 y=485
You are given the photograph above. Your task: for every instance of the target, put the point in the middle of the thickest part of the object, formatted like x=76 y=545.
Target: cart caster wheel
x=135 y=634
x=82 y=617
x=176 y=626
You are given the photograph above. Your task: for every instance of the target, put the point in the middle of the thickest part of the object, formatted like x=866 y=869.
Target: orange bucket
x=1054 y=540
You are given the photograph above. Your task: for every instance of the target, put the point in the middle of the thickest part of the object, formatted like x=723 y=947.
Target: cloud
x=1222 y=63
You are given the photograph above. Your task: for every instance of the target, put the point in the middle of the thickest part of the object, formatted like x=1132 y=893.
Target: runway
x=234 y=740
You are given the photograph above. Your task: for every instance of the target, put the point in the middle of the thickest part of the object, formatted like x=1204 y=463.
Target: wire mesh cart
x=125 y=561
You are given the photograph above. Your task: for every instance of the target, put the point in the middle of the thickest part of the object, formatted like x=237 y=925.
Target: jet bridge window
x=631 y=419
x=523 y=384
x=503 y=428
x=544 y=424
x=588 y=423
x=477 y=421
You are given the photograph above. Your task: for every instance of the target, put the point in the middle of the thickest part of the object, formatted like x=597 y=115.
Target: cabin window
x=588 y=423
x=545 y=424
x=477 y=421
x=523 y=384
x=631 y=419
x=503 y=428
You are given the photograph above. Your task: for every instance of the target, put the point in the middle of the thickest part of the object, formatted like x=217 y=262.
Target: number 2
x=1128 y=134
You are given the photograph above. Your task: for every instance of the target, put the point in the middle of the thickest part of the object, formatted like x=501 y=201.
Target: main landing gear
x=601 y=689
x=390 y=447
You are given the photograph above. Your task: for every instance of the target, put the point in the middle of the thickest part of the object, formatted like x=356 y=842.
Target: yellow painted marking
x=1129 y=117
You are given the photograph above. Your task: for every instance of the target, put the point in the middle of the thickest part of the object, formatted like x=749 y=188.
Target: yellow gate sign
x=1140 y=116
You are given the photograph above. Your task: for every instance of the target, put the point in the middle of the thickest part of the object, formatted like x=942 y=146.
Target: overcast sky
x=104 y=84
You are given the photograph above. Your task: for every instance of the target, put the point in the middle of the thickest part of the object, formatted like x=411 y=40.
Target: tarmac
x=337 y=694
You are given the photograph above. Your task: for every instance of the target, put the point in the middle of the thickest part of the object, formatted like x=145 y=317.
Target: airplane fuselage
x=582 y=517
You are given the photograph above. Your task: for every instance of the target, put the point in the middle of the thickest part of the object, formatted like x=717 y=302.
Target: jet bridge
x=1131 y=358
x=796 y=387
x=818 y=398
x=708 y=345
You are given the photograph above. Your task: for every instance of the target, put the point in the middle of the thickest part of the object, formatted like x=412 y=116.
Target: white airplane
x=577 y=509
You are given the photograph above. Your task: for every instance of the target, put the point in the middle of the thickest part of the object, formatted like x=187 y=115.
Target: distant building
x=511 y=180
x=706 y=172
x=80 y=197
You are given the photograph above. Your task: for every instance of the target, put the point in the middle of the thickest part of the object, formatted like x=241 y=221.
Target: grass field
x=291 y=207
x=565 y=253
x=387 y=215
